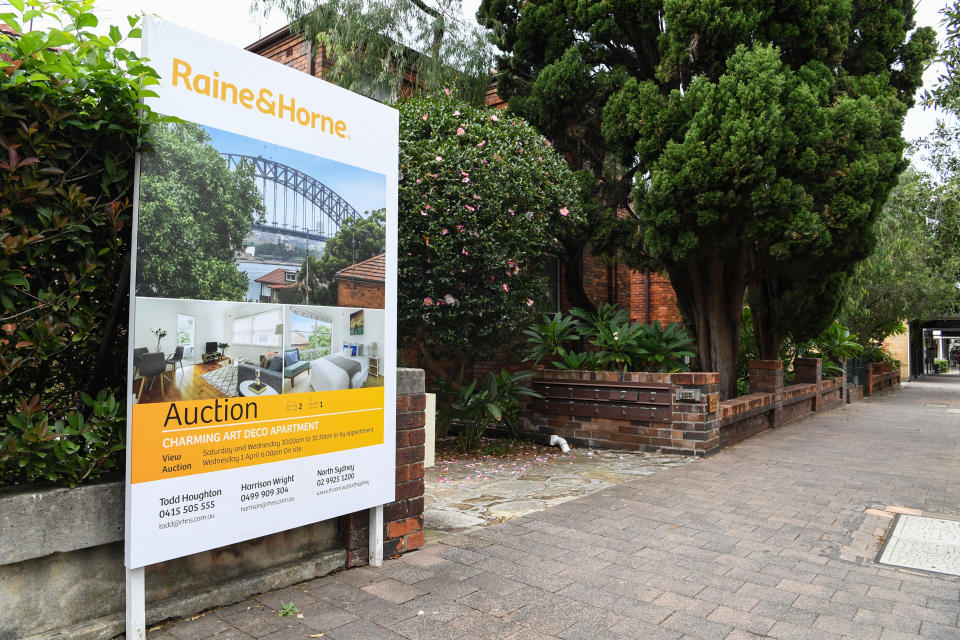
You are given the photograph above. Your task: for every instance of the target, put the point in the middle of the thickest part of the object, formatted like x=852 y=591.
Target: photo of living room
x=202 y=349
x=332 y=348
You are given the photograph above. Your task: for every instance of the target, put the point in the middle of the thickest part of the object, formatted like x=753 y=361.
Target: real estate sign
x=261 y=399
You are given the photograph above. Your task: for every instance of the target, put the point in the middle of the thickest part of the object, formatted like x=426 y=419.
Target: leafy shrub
x=547 y=339
x=482 y=200
x=618 y=344
x=69 y=128
x=941 y=365
x=495 y=403
x=73 y=448
x=576 y=360
x=833 y=346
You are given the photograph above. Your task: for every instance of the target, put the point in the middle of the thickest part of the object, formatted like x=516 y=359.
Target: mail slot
x=635 y=412
x=599 y=392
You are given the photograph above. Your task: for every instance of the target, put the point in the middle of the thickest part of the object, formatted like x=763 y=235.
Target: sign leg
x=376 y=536
x=136 y=605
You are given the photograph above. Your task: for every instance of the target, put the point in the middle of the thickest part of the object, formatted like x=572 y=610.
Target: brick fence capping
x=61 y=550
x=627 y=410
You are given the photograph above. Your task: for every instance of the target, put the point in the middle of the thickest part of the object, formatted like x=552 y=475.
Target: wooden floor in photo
x=181 y=384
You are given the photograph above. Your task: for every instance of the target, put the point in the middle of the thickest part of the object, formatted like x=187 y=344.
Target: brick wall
x=691 y=429
x=354 y=293
x=402 y=518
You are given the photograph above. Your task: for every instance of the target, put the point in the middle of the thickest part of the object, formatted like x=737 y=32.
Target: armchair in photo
x=271 y=375
x=293 y=365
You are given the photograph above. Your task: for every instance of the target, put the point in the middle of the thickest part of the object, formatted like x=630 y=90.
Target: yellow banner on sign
x=185 y=438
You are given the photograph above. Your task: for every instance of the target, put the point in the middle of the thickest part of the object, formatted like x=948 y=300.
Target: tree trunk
x=710 y=296
x=762 y=295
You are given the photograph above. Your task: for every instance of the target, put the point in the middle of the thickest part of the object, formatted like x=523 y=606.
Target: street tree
x=386 y=49
x=194 y=215
x=915 y=267
x=749 y=144
x=357 y=240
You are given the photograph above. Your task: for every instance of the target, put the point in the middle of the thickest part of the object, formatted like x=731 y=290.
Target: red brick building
x=277 y=279
x=647 y=296
x=362 y=284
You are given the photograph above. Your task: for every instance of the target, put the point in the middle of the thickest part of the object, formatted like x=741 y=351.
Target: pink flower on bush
x=512 y=212
x=428 y=301
x=427 y=207
x=529 y=302
x=444 y=231
x=423 y=213
x=424 y=117
x=469 y=208
x=494 y=118
x=465 y=179
x=460 y=131
x=449 y=299
x=564 y=211
x=446 y=91
x=439 y=158
x=465 y=252
x=459 y=227
x=505 y=287
x=482 y=143
x=418 y=180
x=457 y=112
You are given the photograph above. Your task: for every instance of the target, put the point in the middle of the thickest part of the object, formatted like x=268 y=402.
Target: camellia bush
x=483 y=197
x=69 y=128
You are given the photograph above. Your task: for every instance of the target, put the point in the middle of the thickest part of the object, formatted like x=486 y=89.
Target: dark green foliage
x=547 y=339
x=357 y=240
x=576 y=360
x=44 y=443
x=481 y=200
x=195 y=213
x=618 y=344
x=495 y=403
x=69 y=128
x=833 y=346
x=914 y=270
x=760 y=140
x=389 y=48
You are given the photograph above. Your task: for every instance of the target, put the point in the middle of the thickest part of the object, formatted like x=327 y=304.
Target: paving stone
x=938 y=631
x=847 y=628
x=790 y=631
x=257 y=621
x=393 y=590
x=695 y=626
x=196 y=629
x=485 y=625
x=741 y=620
x=362 y=630
x=423 y=628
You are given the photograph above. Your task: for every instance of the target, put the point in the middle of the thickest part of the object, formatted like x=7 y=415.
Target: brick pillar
x=809 y=370
x=402 y=518
x=766 y=376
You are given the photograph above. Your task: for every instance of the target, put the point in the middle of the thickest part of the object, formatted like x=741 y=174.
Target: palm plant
x=547 y=339
x=835 y=345
x=663 y=349
x=576 y=360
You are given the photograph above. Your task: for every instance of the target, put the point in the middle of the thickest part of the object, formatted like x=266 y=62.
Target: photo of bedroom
x=332 y=348
x=202 y=349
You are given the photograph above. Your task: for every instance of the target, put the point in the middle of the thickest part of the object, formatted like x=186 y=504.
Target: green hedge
x=69 y=129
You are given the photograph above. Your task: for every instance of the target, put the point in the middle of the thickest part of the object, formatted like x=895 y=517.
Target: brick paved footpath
x=768 y=539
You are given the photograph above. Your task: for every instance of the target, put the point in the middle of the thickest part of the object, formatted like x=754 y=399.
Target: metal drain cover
x=923 y=543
